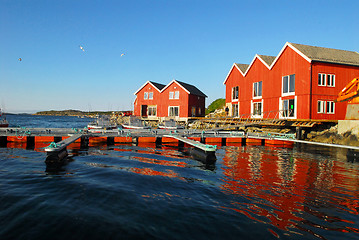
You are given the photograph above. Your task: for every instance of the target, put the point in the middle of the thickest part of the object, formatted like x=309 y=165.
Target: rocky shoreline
x=331 y=136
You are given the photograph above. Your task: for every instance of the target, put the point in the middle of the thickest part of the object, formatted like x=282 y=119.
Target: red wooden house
x=176 y=99
x=302 y=82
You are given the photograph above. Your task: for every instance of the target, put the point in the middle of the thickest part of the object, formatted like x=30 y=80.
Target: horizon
x=93 y=55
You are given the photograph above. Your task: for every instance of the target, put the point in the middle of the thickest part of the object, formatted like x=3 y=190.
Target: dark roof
x=267 y=59
x=158 y=85
x=242 y=67
x=329 y=55
x=192 y=89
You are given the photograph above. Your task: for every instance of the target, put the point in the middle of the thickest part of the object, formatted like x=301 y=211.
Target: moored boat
x=3 y=121
x=101 y=123
x=135 y=123
x=170 y=124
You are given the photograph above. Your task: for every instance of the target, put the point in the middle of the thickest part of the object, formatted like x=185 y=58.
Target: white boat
x=135 y=123
x=101 y=123
x=3 y=121
x=170 y=124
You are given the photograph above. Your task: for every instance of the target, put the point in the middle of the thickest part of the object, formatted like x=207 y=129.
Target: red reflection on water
x=151 y=172
x=161 y=162
x=279 y=187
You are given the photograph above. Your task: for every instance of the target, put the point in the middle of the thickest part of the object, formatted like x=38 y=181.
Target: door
x=144 y=110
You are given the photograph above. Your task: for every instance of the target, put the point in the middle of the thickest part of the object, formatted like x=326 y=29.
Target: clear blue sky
x=193 y=41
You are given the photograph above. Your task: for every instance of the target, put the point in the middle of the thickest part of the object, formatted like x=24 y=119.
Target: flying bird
x=20 y=59
x=82 y=48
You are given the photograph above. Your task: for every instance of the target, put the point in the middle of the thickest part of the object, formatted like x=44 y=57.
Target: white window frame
x=326 y=80
x=171 y=95
x=256 y=90
x=321 y=106
x=235 y=93
x=330 y=105
x=281 y=108
x=289 y=93
x=326 y=107
x=176 y=95
x=322 y=79
x=235 y=110
x=148 y=111
x=169 y=111
x=150 y=95
x=330 y=80
x=145 y=95
x=254 y=115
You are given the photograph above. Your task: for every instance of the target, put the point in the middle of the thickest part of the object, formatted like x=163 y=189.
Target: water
x=144 y=192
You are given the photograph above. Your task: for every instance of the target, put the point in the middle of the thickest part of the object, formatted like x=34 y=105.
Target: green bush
x=216 y=104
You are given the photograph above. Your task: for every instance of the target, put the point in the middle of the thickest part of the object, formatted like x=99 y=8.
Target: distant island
x=77 y=113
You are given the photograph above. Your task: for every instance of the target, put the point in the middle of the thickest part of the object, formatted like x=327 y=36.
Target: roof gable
x=190 y=89
x=309 y=53
x=157 y=86
x=329 y=55
x=268 y=60
x=242 y=68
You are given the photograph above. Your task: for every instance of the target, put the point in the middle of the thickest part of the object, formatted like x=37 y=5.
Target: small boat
x=3 y=122
x=135 y=123
x=101 y=123
x=170 y=125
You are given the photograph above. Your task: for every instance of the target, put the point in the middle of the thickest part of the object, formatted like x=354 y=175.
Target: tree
x=216 y=104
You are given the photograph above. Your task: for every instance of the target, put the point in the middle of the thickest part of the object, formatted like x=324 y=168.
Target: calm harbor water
x=149 y=192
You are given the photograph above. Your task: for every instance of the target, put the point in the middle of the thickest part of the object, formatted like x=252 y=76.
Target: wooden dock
x=198 y=140
x=205 y=152
x=59 y=146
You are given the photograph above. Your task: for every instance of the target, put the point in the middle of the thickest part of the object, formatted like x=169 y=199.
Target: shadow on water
x=352 y=155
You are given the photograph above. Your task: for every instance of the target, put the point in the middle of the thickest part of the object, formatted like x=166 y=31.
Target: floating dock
x=198 y=140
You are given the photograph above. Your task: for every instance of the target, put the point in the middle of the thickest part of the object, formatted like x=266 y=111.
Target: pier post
x=30 y=142
x=84 y=142
x=3 y=141
x=110 y=140
x=298 y=133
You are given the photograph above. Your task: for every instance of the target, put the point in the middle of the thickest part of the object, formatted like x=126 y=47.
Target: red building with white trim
x=175 y=100
x=302 y=82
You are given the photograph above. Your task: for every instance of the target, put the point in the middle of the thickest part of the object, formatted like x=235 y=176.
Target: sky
x=193 y=41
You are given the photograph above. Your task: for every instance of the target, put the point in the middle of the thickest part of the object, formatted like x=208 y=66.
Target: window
x=330 y=80
x=321 y=79
x=145 y=96
x=326 y=80
x=288 y=85
x=326 y=107
x=235 y=110
x=330 y=107
x=150 y=95
x=288 y=108
x=257 y=89
x=321 y=106
x=177 y=95
x=235 y=93
x=171 y=95
x=193 y=111
x=257 y=109
x=152 y=111
x=173 y=111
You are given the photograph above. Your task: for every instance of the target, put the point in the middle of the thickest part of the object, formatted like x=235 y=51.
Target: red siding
x=307 y=91
x=162 y=100
x=343 y=75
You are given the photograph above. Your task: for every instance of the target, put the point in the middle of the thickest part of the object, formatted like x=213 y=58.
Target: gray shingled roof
x=242 y=67
x=158 y=85
x=329 y=55
x=192 y=89
x=267 y=59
